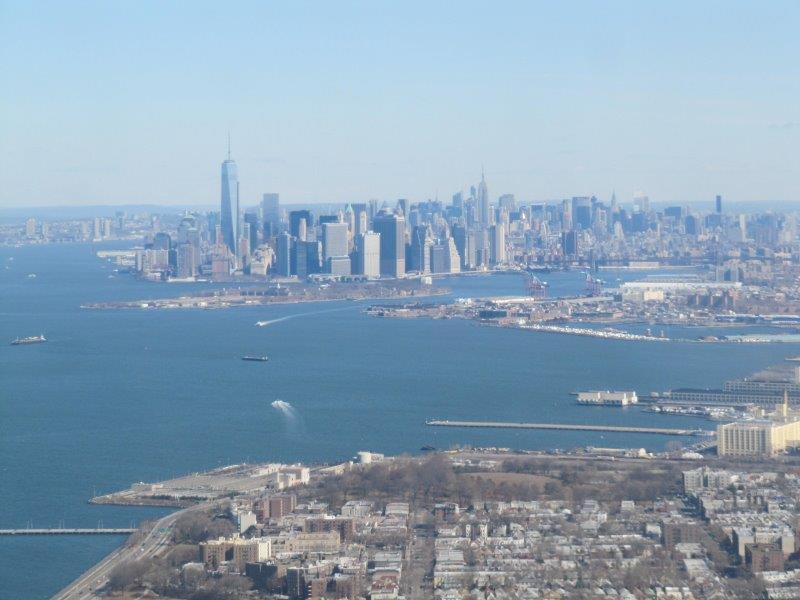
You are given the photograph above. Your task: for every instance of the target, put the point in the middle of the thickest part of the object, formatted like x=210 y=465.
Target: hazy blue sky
x=115 y=102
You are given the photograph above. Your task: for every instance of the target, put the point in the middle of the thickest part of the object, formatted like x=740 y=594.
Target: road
x=157 y=539
x=417 y=579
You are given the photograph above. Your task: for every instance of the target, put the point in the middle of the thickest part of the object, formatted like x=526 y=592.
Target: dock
x=569 y=427
x=69 y=531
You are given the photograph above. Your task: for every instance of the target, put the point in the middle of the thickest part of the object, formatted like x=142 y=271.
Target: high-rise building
x=419 y=250
x=498 y=244
x=308 y=258
x=361 y=219
x=368 y=254
x=718 y=204
x=334 y=240
x=582 y=212
x=483 y=217
x=270 y=207
x=283 y=259
x=569 y=244
x=460 y=241
x=294 y=221
x=187 y=260
x=251 y=231
x=391 y=228
x=229 y=204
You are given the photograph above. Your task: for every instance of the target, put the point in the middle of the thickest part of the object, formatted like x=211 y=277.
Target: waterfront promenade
x=568 y=427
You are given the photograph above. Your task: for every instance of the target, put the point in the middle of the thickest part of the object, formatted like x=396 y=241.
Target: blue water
x=121 y=396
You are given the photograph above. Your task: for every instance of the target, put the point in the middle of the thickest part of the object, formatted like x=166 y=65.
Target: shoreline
x=215 y=302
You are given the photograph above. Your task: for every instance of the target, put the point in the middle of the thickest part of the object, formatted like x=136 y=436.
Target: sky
x=132 y=101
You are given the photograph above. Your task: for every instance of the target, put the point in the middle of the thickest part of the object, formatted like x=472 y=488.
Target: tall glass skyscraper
x=229 y=204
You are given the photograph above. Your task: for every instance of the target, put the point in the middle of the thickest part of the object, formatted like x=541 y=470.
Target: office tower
x=438 y=258
x=471 y=249
x=302 y=230
x=187 y=260
x=161 y=241
x=362 y=226
x=350 y=218
x=213 y=224
x=460 y=241
x=229 y=203
x=458 y=200
x=338 y=265
x=391 y=228
x=308 y=258
x=507 y=201
x=582 y=212
x=270 y=207
x=402 y=206
x=483 y=213
x=453 y=257
x=294 y=221
x=251 y=231
x=328 y=219
x=368 y=255
x=419 y=250
x=719 y=204
x=334 y=240
x=641 y=202
x=283 y=260
x=30 y=227
x=498 y=244
x=675 y=212
x=361 y=219
x=569 y=243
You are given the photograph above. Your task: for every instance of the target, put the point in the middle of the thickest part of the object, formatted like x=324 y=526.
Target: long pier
x=68 y=531
x=568 y=427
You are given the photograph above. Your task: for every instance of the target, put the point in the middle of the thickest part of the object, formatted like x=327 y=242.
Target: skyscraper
x=270 y=214
x=368 y=252
x=334 y=240
x=229 y=203
x=719 y=204
x=419 y=251
x=283 y=262
x=498 y=242
x=484 y=216
x=391 y=228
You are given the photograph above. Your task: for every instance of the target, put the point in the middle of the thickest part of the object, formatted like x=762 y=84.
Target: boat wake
x=292 y=421
x=305 y=314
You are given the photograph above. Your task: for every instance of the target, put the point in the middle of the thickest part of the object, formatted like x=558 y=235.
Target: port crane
x=536 y=287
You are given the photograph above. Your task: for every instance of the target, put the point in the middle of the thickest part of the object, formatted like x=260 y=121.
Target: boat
x=34 y=339
x=256 y=358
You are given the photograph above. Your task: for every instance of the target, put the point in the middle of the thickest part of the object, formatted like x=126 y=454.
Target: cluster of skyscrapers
x=472 y=232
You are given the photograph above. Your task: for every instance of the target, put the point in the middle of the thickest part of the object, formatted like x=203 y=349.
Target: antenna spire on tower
x=229 y=145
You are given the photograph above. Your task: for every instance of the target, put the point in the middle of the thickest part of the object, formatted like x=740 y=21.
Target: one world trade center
x=229 y=218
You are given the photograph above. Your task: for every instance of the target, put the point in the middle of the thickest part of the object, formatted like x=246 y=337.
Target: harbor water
x=119 y=396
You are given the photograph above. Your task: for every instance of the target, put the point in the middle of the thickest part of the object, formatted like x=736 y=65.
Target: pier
x=68 y=531
x=569 y=427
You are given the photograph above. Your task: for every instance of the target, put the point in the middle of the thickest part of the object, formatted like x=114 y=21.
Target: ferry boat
x=256 y=358
x=34 y=339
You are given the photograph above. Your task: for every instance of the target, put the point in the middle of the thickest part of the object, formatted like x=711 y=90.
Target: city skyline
x=350 y=102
